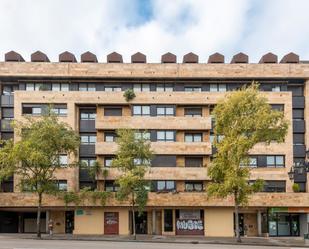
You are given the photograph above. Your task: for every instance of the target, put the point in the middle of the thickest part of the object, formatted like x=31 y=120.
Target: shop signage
x=189 y=214
x=79 y=212
x=278 y=210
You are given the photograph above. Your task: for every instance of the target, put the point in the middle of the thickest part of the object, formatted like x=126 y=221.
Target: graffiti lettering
x=189 y=225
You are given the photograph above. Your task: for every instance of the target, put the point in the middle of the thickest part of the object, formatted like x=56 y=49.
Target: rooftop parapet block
x=190 y=58
x=168 y=58
x=88 y=57
x=67 y=57
x=290 y=58
x=12 y=56
x=39 y=56
x=240 y=58
x=138 y=58
x=114 y=58
x=216 y=58
x=269 y=58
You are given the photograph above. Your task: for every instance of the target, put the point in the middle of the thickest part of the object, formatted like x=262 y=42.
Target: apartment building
x=173 y=110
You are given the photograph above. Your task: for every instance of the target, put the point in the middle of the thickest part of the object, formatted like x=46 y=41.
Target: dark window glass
x=193 y=89
x=193 y=137
x=193 y=161
x=108 y=161
x=168 y=220
x=165 y=87
x=274 y=186
x=111 y=186
x=277 y=107
x=110 y=136
x=298 y=114
x=192 y=186
x=193 y=111
x=298 y=139
x=275 y=161
x=109 y=111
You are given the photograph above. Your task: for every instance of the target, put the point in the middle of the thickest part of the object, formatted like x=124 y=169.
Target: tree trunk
x=133 y=218
x=238 y=239
x=38 y=220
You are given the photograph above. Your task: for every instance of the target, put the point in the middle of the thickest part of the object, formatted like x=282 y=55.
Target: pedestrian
x=50 y=227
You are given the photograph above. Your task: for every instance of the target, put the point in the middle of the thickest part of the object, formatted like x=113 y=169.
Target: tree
x=243 y=118
x=133 y=160
x=36 y=155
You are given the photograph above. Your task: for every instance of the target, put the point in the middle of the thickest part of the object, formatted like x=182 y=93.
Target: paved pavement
x=28 y=241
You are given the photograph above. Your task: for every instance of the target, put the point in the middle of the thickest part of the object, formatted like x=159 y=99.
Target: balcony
x=163 y=173
x=146 y=123
x=161 y=148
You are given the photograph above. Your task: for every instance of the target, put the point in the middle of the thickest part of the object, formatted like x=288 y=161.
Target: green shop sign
x=79 y=212
x=278 y=210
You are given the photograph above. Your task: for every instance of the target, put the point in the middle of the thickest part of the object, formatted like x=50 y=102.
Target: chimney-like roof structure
x=138 y=58
x=290 y=58
x=240 y=58
x=216 y=58
x=190 y=58
x=88 y=57
x=39 y=56
x=114 y=58
x=12 y=56
x=168 y=58
x=269 y=58
x=67 y=57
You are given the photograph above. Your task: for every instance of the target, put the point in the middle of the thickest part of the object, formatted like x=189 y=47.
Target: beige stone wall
x=219 y=222
x=151 y=70
x=92 y=221
x=58 y=218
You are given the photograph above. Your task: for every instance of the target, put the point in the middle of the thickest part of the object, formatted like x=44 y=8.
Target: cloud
x=154 y=27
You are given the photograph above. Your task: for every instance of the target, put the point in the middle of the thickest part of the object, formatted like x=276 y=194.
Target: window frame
x=165 y=136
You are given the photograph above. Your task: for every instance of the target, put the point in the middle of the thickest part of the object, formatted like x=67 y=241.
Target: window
x=109 y=136
x=32 y=109
x=63 y=160
x=193 y=161
x=191 y=186
x=9 y=89
x=274 y=186
x=193 y=89
x=298 y=114
x=168 y=220
x=90 y=87
x=165 y=185
x=108 y=161
x=141 y=87
x=278 y=107
x=112 y=89
x=217 y=88
x=111 y=186
x=193 y=111
x=298 y=139
x=112 y=111
x=212 y=138
x=276 y=88
x=275 y=161
x=86 y=115
x=88 y=162
x=166 y=136
x=57 y=87
x=61 y=185
x=88 y=139
x=193 y=137
x=141 y=110
x=165 y=87
x=142 y=135
x=252 y=162
x=35 y=87
x=60 y=110
x=165 y=111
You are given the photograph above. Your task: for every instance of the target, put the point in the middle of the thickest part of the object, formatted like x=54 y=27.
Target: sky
x=155 y=27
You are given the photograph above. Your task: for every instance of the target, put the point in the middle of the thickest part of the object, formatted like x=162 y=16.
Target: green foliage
x=244 y=118
x=102 y=196
x=133 y=160
x=71 y=197
x=129 y=95
x=295 y=187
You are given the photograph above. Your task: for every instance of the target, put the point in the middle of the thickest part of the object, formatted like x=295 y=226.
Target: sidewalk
x=257 y=241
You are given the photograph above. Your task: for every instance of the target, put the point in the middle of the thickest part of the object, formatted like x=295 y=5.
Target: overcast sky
x=155 y=27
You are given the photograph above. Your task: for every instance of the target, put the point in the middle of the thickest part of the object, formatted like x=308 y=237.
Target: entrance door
x=69 y=221
x=141 y=223
x=111 y=223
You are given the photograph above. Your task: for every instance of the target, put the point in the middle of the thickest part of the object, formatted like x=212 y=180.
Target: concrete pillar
x=154 y=221
x=259 y=222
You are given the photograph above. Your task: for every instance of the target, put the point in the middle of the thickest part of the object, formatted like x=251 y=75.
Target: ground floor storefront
x=209 y=221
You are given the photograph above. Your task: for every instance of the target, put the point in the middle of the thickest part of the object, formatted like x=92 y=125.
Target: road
x=14 y=243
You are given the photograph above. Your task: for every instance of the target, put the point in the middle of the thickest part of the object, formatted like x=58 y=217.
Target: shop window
x=168 y=220
x=166 y=136
x=141 y=110
x=193 y=137
x=112 y=111
x=193 y=161
x=193 y=111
